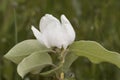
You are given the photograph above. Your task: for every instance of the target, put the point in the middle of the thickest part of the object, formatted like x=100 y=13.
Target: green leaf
x=34 y=63
x=69 y=59
x=23 y=49
x=95 y=52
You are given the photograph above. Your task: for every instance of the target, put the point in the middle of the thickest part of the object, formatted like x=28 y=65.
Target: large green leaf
x=34 y=63
x=95 y=52
x=23 y=49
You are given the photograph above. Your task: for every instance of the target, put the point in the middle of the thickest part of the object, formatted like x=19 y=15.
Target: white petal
x=39 y=37
x=70 y=33
x=53 y=35
x=46 y=20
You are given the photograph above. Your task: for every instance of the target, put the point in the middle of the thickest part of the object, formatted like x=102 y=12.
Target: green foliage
x=34 y=63
x=23 y=49
x=30 y=56
x=95 y=52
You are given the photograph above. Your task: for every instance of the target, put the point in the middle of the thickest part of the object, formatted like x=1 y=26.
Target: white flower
x=54 y=33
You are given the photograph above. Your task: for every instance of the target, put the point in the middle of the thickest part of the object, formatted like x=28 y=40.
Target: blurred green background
x=97 y=20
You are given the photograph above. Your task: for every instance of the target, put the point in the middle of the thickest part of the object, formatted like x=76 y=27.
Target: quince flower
x=54 y=33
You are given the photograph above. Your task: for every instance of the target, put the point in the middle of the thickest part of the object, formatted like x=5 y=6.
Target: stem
x=63 y=54
x=62 y=76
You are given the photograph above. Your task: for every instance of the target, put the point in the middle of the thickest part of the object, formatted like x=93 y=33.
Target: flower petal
x=39 y=37
x=46 y=20
x=53 y=35
x=68 y=28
